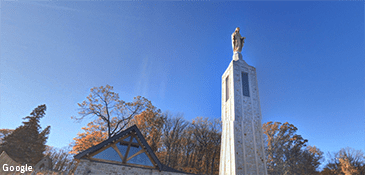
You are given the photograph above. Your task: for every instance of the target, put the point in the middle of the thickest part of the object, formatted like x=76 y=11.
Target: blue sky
x=309 y=58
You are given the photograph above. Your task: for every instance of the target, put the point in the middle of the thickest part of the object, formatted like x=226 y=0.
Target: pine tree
x=26 y=143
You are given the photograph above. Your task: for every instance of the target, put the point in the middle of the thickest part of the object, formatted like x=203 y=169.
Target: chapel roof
x=6 y=159
x=132 y=133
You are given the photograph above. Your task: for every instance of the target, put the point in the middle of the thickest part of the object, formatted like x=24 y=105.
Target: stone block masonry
x=87 y=167
x=242 y=149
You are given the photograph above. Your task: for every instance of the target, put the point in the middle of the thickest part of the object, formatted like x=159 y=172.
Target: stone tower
x=242 y=148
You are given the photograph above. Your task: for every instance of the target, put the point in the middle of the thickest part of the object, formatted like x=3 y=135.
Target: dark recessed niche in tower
x=227 y=88
x=245 y=87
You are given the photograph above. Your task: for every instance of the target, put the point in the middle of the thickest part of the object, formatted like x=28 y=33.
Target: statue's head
x=237 y=29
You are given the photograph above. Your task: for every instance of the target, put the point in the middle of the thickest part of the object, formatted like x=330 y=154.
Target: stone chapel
x=126 y=153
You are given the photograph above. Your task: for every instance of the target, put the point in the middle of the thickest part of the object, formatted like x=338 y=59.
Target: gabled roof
x=45 y=164
x=6 y=159
x=133 y=131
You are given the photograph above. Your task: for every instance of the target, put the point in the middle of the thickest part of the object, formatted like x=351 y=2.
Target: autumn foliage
x=287 y=152
x=194 y=146
x=189 y=146
x=93 y=134
x=150 y=122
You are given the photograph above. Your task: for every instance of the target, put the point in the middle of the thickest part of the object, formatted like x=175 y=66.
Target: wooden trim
x=148 y=155
x=108 y=161
x=98 y=151
x=144 y=166
x=129 y=147
x=126 y=143
x=117 y=150
x=152 y=161
x=137 y=153
x=107 y=146
x=125 y=158
x=122 y=138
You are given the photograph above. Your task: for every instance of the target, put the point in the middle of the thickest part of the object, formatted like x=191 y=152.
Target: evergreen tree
x=26 y=143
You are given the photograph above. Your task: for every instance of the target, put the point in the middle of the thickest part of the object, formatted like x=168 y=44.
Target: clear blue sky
x=309 y=58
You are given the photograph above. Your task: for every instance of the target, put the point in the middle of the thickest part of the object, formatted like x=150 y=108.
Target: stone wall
x=87 y=167
x=242 y=150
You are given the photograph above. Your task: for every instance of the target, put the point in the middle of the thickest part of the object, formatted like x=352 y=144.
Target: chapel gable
x=126 y=152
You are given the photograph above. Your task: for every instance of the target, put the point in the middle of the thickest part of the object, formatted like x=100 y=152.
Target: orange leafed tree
x=113 y=115
x=150 y=122
x=287 y=152
x=93 y=134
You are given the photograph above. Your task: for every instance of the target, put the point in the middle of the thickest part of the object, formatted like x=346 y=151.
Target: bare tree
x=347 y=161
x=207 y=135
x=172 y=131
x=188 y=145
x=105 y=104
x=192 y=147
x=62 y=161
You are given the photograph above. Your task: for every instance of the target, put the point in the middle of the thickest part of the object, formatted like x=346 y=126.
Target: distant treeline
x=189 y=146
